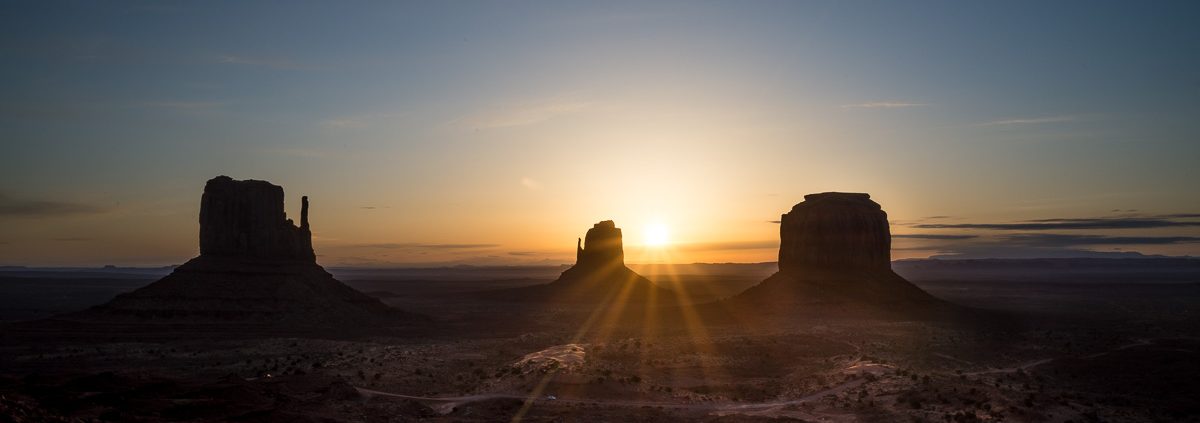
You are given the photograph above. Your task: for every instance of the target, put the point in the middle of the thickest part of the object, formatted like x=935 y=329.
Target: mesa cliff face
x=602 y=246
x=835 y=230
x=256 y=268
x=246 y=219
x=834 y=257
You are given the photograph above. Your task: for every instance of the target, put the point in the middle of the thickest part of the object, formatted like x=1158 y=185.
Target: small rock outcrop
x=835 y=230
x=246 y=219
x=255 y=269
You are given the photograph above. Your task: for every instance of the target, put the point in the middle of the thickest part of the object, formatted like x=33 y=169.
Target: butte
x=599 y=276
x=834 y=260
x=256 y=270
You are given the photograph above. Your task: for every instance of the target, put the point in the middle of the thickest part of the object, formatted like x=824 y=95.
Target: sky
x=430 y=133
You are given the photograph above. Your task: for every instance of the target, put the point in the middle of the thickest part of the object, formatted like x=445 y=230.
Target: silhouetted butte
x=599 y=275
x=245 y=219
x=255 y=267
x=835 y=256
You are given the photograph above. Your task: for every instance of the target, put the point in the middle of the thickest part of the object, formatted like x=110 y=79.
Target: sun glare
x=656 y=235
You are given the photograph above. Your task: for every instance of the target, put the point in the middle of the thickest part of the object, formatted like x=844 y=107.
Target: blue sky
x=516 y=125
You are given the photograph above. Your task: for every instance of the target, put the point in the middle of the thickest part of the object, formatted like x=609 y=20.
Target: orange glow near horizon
x=498 y=136
x=656 y=235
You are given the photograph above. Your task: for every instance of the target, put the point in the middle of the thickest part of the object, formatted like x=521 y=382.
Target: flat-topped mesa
x=835 y=230
x=246 y=220
x=600 y=247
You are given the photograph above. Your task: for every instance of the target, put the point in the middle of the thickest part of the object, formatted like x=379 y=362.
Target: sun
x=656 y=235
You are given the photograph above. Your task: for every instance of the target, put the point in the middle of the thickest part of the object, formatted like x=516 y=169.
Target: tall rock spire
x=304 y=213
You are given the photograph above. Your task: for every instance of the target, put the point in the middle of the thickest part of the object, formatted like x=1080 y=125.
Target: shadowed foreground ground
x=1108 y=350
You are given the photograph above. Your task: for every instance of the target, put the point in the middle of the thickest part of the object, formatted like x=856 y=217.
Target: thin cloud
x=531 y=184
x=1056 y=224
x=933 y=236
x=1036 y=243
x=527 y=115
x=1030 y=121
x=308 y=153
x=342 y=123
x=359 y=121
x=187 y=105
x=727 y=246
x=996 y=251
x=258 y=62
x=883 y=105
x=12 y=207
x=424 y=246
x=1038 y=246
x=72 y=239
x=1070 y=240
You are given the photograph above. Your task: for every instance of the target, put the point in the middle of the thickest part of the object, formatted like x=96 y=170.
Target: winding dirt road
x=1035 y=363
x=445 y=405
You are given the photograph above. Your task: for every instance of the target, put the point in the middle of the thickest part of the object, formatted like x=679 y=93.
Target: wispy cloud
x=72 y=239
x=531 y=184
x=933 y=236
x=1031 y=121
x=1001 y=251
x=13 y=207
x=526 y=115
x=258 y=61
x=1041 y=237
x=1056 y=224
x=728 y=245
x=359 y=121
x=883 y=105
x=1039 y=245
x=307 y=153
x=424 y=246
x=343 y=123
x=187 y=105
x=1071 y=240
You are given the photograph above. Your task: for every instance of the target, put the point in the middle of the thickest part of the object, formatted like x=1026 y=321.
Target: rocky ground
x=812 y=370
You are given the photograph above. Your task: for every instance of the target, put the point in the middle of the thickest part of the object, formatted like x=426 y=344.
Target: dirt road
x=445 y=405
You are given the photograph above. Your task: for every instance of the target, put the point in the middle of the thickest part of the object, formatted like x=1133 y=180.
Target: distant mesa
x=255 y=267
x=835 y=253
x=598 y=276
